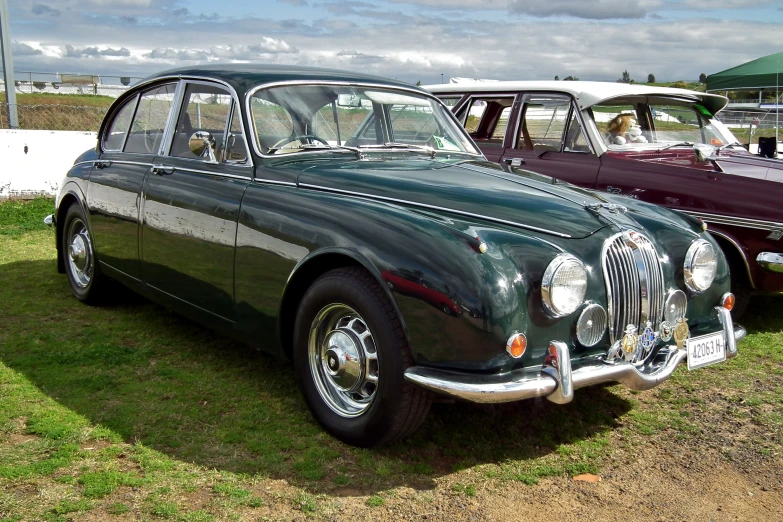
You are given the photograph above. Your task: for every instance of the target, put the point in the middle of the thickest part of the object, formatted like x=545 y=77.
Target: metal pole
x=8 y=65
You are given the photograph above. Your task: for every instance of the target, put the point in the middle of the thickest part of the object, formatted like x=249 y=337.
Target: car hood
x=730 y=161
x=469 y=188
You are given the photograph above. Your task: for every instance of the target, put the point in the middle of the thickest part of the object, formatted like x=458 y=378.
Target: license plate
x=705 y=350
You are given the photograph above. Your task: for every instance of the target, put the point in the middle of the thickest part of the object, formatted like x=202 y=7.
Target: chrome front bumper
x=557 y=381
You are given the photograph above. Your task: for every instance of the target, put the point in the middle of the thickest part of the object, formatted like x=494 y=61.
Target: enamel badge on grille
x=681 y=332
x=630 y=340
x=647 y=339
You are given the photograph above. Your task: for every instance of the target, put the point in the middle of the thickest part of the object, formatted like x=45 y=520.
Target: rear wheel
x=350 y=354
x=87 y=282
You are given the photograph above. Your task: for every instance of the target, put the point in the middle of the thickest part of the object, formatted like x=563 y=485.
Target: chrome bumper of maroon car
x=771 y=261
x=557 y=381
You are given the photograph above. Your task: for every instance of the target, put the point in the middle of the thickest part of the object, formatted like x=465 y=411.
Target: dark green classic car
x=349 y=223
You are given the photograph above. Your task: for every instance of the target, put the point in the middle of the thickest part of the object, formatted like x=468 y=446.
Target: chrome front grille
x=634 y=283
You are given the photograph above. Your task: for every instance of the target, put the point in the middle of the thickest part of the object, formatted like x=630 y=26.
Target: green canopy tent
x=761 y=73
x=758 y=74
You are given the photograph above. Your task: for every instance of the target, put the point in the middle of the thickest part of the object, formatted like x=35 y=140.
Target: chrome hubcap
x=343 y=360
x=80 y=257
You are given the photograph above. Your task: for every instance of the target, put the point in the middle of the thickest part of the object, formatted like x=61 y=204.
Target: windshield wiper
x=397 y=145
x=680 y=144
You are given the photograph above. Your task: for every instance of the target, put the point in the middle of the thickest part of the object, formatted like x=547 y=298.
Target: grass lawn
x=132 y=411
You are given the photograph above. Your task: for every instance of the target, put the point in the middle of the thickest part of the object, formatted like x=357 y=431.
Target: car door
x=191 y=201
x=128 y=147
x=550 y=139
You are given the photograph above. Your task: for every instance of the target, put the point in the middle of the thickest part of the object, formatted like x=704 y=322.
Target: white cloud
x=23 y=49
x=392 y=39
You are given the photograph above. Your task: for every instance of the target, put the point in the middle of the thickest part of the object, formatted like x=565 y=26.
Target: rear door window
x=486 y=119
x=114 y=137
x=149 y=123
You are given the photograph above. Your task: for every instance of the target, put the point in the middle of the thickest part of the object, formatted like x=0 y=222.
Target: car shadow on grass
x=763 y=314
x=157 y=379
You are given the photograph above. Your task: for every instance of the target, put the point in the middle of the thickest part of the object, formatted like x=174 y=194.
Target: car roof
x=586 y=94
x=245 y=76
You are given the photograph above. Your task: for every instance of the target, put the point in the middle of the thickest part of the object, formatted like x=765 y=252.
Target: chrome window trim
x=735 y=221
x=275 y=182
x=121 y=162
x=433 y=207
x=168 y=132
x=741 y=253
x=208 y=173
x=252 y=126
x=176 y=78
x=236 y=107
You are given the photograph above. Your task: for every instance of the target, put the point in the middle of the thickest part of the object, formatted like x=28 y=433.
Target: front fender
x=448 y=294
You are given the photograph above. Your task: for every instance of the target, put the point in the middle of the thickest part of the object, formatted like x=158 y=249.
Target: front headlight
x=701 y=264
x=564 y=285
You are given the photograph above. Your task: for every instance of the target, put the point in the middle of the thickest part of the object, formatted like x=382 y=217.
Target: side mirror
x=202 y=144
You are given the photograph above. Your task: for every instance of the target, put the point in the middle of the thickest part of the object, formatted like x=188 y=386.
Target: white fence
x=36 y=161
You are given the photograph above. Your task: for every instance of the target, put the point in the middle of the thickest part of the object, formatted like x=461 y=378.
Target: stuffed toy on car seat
x=623 y=129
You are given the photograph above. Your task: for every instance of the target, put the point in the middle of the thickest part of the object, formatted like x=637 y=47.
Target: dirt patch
x=658 y=482
x=96 y=445
x=21 y=438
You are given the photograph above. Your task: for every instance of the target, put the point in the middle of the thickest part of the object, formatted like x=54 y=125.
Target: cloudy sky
x=407 y=39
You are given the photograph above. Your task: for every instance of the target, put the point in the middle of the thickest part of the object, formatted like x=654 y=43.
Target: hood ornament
x=612 y=208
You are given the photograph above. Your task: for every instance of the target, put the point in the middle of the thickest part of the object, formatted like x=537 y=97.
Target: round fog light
x=591 y=325
x=675 y=307
x=516 y=345
x=727 y=301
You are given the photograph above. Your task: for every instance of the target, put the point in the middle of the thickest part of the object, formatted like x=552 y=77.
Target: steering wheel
x=287 y=140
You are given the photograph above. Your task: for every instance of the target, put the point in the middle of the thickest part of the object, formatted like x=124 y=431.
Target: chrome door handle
x=160 y=170
x=101 y=164
x=514 y=162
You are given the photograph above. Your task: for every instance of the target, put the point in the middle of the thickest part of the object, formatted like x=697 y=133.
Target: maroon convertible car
x=656 y=144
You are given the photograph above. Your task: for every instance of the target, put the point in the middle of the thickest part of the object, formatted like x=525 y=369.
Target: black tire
x=87 y=282
x=397 y=408
x=740 y=287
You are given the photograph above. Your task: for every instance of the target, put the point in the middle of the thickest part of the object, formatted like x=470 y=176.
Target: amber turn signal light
x=727 y=301
x=516 y=345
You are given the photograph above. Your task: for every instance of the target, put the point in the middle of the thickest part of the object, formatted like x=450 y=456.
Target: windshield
x=641 y=124
x=298 y=118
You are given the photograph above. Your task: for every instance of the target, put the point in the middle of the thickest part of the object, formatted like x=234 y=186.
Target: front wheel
x=350 y=354
x=87 y=282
